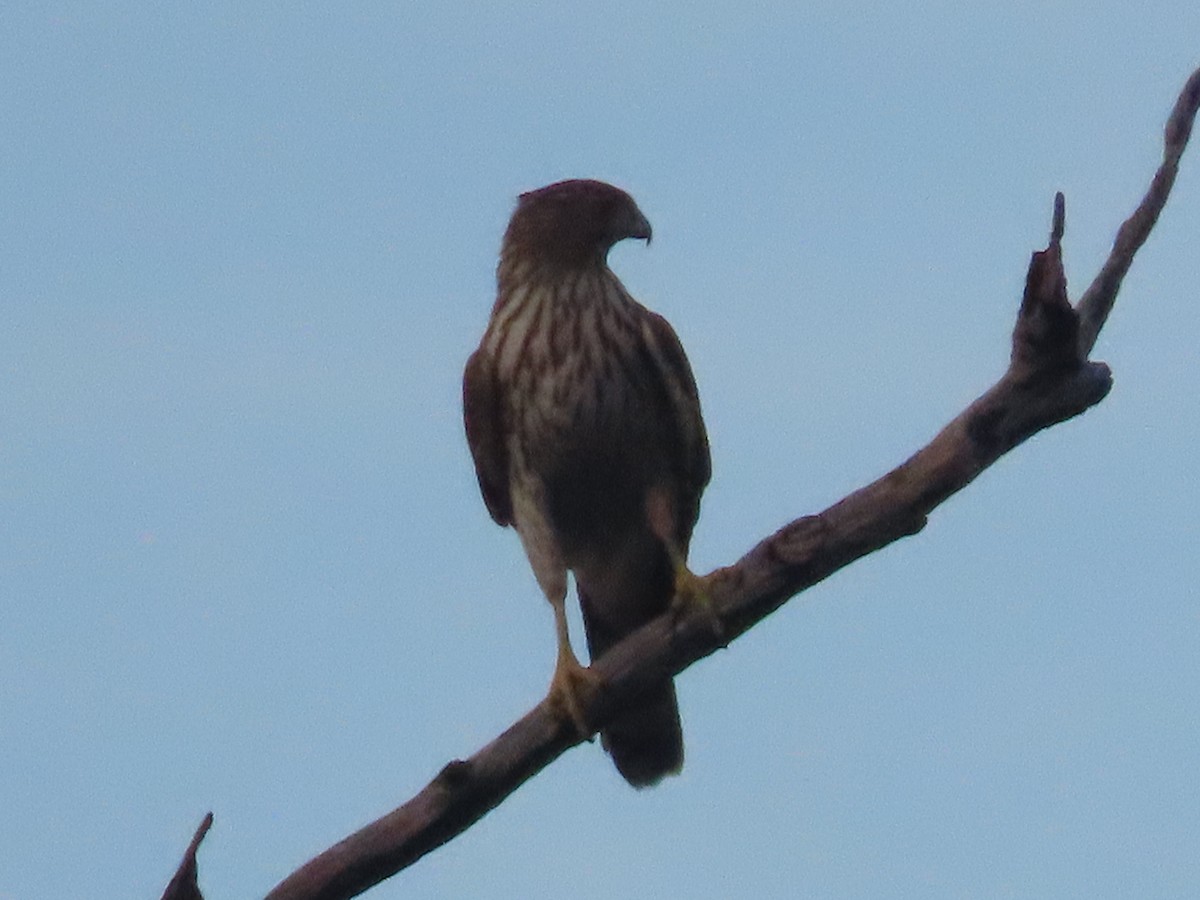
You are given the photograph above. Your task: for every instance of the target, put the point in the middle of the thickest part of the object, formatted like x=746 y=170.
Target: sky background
x=244 y=564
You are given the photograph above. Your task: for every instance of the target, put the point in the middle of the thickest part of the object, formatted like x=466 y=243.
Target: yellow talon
x=691 y=596
x=570 y=689
x=572 y=684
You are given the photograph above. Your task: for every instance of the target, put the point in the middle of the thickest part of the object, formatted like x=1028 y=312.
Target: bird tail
x=646 y=739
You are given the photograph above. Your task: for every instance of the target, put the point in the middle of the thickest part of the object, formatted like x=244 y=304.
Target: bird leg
x=691 y=594
x=572 y=683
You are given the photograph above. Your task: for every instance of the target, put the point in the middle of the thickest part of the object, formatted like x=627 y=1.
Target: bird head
x=573 y=223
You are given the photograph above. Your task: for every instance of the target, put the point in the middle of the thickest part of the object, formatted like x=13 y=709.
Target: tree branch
x=1098 y=299
x=183 y=885
x=1049 y=380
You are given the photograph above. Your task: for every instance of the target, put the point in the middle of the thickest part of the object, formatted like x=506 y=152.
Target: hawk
x=584 y=424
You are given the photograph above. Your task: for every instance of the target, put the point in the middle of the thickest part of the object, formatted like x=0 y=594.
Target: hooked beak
x=640 y=229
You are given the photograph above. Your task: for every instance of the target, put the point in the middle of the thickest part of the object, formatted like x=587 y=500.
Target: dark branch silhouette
x=184 y=885
x=1049 y=380
x=1097 y=301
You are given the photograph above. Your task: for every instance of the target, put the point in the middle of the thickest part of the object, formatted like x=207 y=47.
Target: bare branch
x=1098 y=299
x=1049 y=380
x=184 y=885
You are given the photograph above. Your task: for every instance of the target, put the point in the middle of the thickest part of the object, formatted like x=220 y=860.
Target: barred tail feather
x=646 y=739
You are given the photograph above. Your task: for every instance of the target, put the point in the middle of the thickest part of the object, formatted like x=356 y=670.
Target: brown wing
x=483 y=417
x=694 y=462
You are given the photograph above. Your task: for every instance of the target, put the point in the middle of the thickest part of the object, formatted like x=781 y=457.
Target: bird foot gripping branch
x=571 y=690
x=692 y=597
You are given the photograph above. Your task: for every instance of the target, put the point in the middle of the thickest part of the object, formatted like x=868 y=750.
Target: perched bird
x=584 y=424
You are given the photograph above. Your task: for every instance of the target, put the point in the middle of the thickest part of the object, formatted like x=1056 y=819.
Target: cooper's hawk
x=584 y=423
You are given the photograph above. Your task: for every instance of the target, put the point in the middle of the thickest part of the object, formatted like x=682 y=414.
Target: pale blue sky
x=244 y=565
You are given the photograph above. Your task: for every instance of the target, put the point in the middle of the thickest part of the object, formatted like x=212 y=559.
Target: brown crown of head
x=573 y=223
